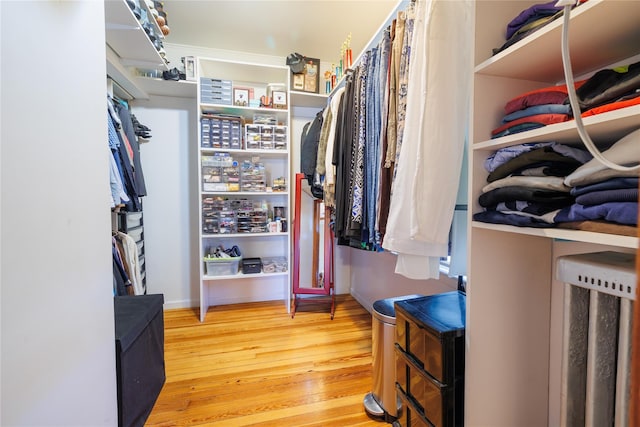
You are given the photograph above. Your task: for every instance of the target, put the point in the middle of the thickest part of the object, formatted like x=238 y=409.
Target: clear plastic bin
x=222 y=266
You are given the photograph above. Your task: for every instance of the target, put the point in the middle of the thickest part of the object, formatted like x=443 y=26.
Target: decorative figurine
x=327 y=82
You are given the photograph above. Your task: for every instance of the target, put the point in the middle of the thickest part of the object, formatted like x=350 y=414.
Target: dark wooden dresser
x=429 y=351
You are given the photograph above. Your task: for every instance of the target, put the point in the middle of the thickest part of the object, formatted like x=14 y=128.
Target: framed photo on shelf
x=240 y=97
x=309 y=79
x=279 y=99
x=190 y=68
x=298 y=81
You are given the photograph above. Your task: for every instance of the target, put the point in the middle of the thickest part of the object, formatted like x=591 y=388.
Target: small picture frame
x=298 y=81
x=241 y=97
x=312 y=75
x=190 y=68
x=279 y=99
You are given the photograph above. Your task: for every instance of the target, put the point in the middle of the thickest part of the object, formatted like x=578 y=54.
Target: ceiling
x=313 y=28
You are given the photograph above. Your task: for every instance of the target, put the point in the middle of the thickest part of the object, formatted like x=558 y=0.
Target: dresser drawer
x=431 y=330
x=410 y=416
x=436 y=401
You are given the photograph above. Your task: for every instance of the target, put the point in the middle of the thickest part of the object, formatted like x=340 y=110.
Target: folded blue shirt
x=618 y=212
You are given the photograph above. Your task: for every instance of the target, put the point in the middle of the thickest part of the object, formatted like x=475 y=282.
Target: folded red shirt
x=545 y=119
x=547 y=95
x=612 y=106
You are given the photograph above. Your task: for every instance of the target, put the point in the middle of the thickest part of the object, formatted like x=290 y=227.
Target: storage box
x=222 y=266
x=266 y=137
x=139 y=353
x=205 y=132
x=215 y=92
x=218 y=159
x=221 y=100
x=226 y=222
x=253 y=176
x=252 y=137
x=251 y=265
x=280 y=137
x=274 y=265
x=215 y=83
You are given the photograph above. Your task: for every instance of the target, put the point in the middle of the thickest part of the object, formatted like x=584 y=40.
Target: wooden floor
x=253 y=365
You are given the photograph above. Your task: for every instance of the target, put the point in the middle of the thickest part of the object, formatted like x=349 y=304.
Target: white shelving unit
x=514 y=321
x=127 y=46
x=226 y=289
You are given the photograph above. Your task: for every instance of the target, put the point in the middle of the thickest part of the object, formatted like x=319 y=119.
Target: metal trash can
x=383 y=401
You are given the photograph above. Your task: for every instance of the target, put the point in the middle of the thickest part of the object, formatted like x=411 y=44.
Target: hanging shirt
x=428 y=170
x=330 y=169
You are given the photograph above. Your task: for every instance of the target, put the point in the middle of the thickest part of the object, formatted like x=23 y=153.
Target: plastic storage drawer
x=410 y=416
x=435 y=400
x=436 y=345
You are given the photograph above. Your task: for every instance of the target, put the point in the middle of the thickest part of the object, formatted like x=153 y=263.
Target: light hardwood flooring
x=253 y=365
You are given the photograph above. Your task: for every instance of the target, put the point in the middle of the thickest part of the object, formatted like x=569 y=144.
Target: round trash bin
x=382 y=401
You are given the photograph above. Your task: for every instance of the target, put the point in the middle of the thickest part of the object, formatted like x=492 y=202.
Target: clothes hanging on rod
x=128 y=257
x=424 y=193
x=396 y=147
x=122 y=109
x=361 y=137
x=126 y=177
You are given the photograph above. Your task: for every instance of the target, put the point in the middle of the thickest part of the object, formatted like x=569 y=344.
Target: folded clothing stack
x=527 y=185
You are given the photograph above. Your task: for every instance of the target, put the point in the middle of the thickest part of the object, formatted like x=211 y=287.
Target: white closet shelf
x=161 y=87
x=236 y=108
x=246 y=112
x=243 y=235
x=260 y=153
x=306 y=99
x=605 y=127
x=245 y=193
x=242 y=72
x=125 y=35
x=593 y=41
x=564 y=234
x=240 y=276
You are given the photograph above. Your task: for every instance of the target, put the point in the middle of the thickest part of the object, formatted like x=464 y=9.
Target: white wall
x=58 y=348
x=373 y=278
x=171 y=205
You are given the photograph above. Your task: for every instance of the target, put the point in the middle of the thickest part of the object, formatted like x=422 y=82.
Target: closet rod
x=118 y=91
